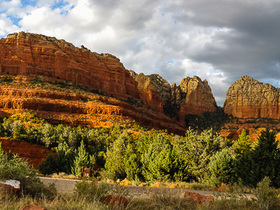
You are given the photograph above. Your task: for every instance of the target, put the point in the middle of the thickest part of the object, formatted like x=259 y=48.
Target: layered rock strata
x=248 y=98
x=26 y=53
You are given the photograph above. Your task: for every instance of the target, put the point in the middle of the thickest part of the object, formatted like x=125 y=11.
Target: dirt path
x=62 y=185
x=68 y=186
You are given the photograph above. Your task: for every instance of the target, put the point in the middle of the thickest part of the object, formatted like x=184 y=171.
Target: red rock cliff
x=192 y=96
x=153 y=89
x=38 y=54
x=248 y=98
x=26 y=53
x=195 y=97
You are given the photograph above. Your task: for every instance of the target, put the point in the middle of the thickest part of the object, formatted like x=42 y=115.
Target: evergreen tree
x=48 y=166
x=222 y=168
x=83 y=159
x=262 y=161
x=181 y=161
x=200 y=148
x=243 y=144
x=133 y=167
x=49 y=137
x=157 y=161
x=117 y=156
x=17 y=130
x=62 y=162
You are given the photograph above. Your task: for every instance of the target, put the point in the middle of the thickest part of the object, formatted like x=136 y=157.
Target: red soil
x=33 y=153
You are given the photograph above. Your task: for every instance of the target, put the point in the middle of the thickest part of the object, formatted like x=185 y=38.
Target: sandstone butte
x=27 y=53
x=248 y=98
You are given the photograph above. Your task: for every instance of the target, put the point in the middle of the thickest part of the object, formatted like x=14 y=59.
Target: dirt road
x=68 y=186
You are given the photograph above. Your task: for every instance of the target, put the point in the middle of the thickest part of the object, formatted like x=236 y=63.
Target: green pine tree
x=243 y=144
x=83 y=159
x=222 y=168
x=200 y=148
x=157 y=162
x=62 y=162
x=262 y=161
x=117 y=155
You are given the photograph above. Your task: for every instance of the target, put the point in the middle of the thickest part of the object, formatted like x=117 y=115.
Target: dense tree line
x=138 y=154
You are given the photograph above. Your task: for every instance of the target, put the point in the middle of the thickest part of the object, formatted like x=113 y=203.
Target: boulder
x=32 y=207
x=115 y=201
x=10 y=186
x=198 y=198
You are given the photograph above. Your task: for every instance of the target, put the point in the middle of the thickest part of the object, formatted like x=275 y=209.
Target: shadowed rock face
x=248 y=98
x=154 y=90
x=38 y=54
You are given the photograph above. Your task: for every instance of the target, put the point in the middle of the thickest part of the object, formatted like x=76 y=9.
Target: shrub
x=12 y=167
x=62 y=162
x=92 y=191
x=163 y=198
x=266 y=196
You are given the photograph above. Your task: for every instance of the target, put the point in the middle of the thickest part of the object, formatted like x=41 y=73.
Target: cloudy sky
x=217 y=40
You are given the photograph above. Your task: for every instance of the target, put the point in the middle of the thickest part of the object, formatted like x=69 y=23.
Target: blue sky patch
x=32 y=3
x=14 y=19
x=59 y=4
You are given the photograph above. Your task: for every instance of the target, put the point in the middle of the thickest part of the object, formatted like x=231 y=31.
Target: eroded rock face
x=192 y=96
x=248 y=98
x=38 y=54
x=196 y=97
x=26 y=53
x=153 y=89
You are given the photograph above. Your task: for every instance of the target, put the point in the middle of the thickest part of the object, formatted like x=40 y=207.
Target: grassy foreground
x=93 y=195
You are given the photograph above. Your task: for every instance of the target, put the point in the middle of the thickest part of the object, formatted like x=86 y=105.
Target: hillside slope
x=34 y=54
x=61 y=102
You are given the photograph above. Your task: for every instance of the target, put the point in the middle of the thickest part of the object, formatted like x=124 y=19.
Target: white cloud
x=216 y=78
x=6 y=25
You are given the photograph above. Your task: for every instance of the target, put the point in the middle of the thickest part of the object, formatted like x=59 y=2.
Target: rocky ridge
x=34 y=54
x=192 y=96
x=26 y=53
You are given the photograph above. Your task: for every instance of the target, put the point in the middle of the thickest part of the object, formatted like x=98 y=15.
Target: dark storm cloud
x=253 y=45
